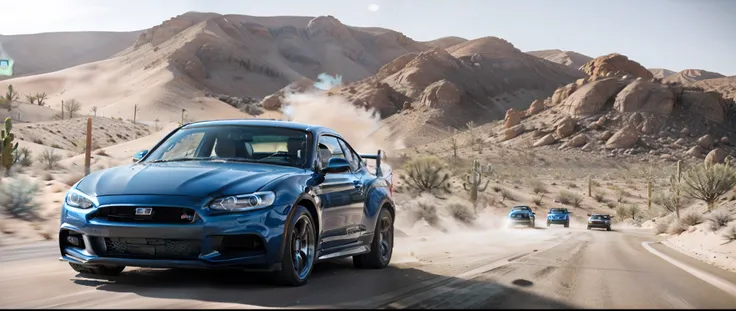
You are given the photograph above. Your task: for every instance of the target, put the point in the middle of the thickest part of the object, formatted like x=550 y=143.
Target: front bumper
x=557 y=221
x=598 y=225
x=251 y=240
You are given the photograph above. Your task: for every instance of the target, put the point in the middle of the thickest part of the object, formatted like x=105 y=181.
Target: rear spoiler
x=378 y=157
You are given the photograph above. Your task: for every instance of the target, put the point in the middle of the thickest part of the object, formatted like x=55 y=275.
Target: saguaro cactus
x=649 y=193
x=474 y=179
x=7 y=148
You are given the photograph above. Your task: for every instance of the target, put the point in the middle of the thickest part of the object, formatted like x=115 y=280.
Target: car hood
x=557 y=216
x=200 y=179
x=519 y=212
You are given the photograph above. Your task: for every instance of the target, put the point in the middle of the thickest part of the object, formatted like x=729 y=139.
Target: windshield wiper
x=180 y=159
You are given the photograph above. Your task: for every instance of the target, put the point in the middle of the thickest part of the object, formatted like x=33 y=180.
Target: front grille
x=520 y=216
x=164 y=215
x=152 y=248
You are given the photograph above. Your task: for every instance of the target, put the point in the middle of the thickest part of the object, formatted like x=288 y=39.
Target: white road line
x=722 y=284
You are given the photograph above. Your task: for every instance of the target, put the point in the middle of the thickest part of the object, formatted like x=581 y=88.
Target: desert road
x=512 y=268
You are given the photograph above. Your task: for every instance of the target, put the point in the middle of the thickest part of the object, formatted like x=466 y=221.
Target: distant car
x=602 y=221
x=521 y=215
x=558 y=216
x=263 y=195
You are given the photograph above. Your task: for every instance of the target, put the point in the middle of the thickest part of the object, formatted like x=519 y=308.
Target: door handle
x=358 y=184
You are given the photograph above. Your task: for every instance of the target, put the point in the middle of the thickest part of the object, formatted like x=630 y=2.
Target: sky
x=671 y=34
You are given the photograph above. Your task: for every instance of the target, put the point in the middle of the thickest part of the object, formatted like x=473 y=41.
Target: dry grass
x=691 y=218
x=719 y=218
x=730 y=233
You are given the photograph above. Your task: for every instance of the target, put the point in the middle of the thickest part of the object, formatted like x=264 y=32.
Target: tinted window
x=350 y=155
x=557 y=211
x=520 y=208
x=271 y=145
x=328 y=147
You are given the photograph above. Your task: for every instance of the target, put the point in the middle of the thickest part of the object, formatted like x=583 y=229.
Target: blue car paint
x=530 y=217
x=558 y=218
x=345 y=205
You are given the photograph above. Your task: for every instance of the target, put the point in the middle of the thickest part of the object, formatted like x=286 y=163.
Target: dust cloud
x=358 y=125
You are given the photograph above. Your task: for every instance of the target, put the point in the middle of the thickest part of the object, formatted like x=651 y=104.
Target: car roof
x=591 y=215
x=315 y=129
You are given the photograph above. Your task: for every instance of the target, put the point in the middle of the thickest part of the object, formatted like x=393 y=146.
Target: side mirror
x=139 y=155
x=336 y=166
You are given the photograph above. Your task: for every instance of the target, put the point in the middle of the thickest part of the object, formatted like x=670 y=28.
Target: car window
x=520 y=208
x=557 y=211
x=184 y=147
x=596 y=217
x=329 y=147
x=273 y=145
x=350 y=155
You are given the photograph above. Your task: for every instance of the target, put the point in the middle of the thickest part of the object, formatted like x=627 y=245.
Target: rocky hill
x=615 y=64
x=567 y=58
x=725 y=86
x=689 y=76
x=445 y=42
x=661 y=73
x=47 y=52
x=477 y=80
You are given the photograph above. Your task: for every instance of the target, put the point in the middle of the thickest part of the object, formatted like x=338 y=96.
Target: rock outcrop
x=590 y=98
x=644 y=96
x=615 y=64
x=624 y=138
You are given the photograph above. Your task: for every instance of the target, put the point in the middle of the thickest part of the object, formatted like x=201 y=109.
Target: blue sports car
x=260 y=195
x=558 y=216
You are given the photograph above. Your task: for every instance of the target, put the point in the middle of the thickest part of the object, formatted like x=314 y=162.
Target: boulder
x=706 y=142
x=537 y=106
x=645 y=96
x=717 y=155
x=513 y=131
x=590 y=98
x=272 y=102
x=605 y=135
x=709 y=105
x=565 y=127
x=615 y=64
x=513 y=118
x=724 y=140
x=624 y=138
x=576 y=141
x=695 y=151
x=546 y=140
x=441 y=94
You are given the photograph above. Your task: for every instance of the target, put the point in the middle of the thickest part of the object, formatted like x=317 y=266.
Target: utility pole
x=88 y=149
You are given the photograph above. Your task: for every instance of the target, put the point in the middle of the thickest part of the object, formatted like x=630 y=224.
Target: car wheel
x=382 y=247
x=608 y=228
x=588 y=228
x=97 y=270
x=299 y=250
x=547 y=224
x=567 y=224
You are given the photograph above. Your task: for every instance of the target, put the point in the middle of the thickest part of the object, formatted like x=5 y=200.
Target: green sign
x=6 y=67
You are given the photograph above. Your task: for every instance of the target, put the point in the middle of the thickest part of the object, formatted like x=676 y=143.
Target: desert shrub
x=622 y=211
x=691 y=218
x=662 y=224
x=730 y=233
x=634 y=211
x=719 y=218
x=251 y=109
x=599 y=197
x=572 y=185
x=496 y=189
x=611 y=205
x=676 y=227
x=424 y=209
x=49 y=159
x=506 y=194
x=621 y=195
x=18 y=198
x=538 y=186
x=461 y=212
x=537 y=200
x=708 y=182
x=47 y=176
x=426 y=174
x=72 y=179
x=24 y=157
x=569 y=198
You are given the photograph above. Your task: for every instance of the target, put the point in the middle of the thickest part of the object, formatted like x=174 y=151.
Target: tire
x=548 y=224
x=382 y=246
x=588 y=228
x=608 y=228
x=301 y=234
x=97 y=270
x=531 y=224
x=567 y=224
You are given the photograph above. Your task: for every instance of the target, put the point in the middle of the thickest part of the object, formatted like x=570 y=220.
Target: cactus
x=590 y=186
x=7 y=148
x=649 y=193
x=474 y=180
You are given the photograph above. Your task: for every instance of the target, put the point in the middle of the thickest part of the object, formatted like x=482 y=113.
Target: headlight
x=76 y=198
x=245 y=202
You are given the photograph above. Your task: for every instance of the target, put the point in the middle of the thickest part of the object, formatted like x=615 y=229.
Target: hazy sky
x=671 y=34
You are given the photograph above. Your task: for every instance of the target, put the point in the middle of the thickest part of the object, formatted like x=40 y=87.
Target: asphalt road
x=521 y=268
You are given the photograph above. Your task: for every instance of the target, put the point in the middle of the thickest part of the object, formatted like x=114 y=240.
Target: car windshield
x=520 y=208
x=235 y=143
x=558 y=211
x=600 y=217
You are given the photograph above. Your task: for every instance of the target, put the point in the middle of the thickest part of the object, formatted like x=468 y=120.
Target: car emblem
x=185 y=216
x=143 y=211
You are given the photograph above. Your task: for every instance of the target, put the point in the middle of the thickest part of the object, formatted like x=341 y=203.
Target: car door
x=336 y=193
x=356 y=212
